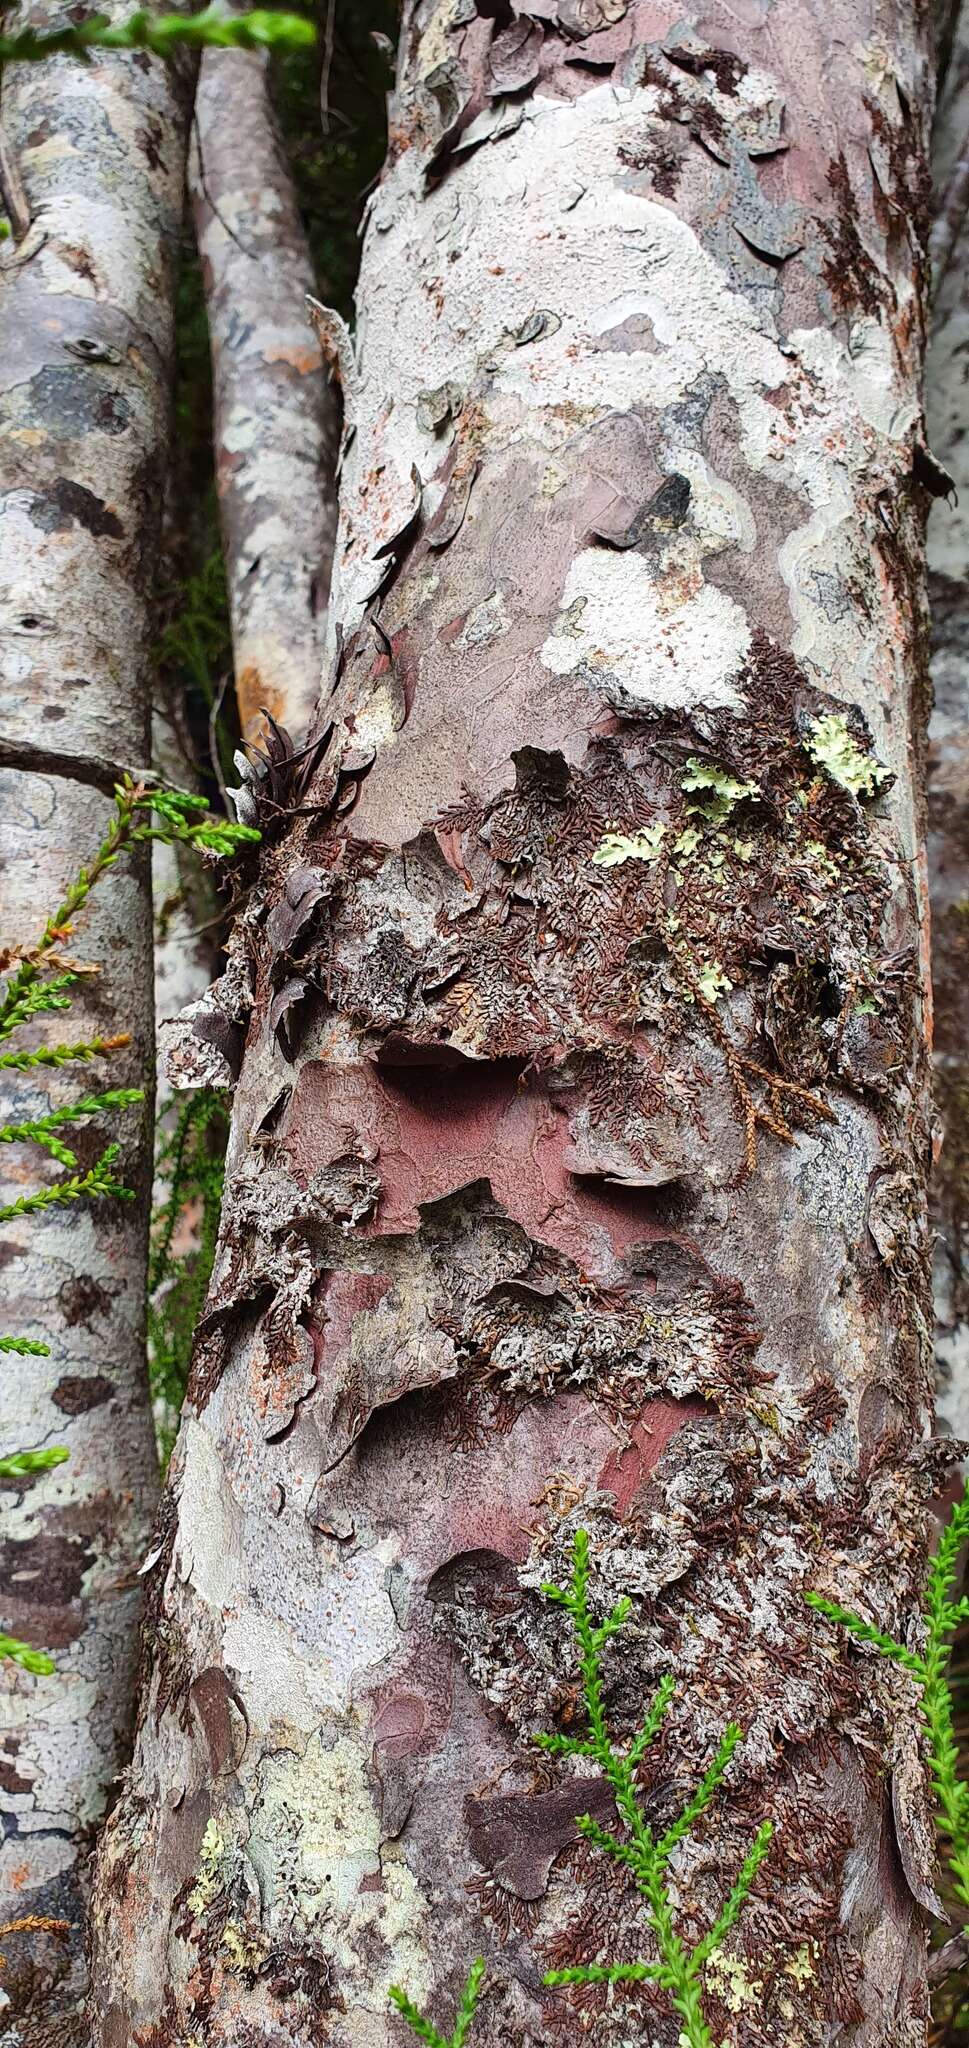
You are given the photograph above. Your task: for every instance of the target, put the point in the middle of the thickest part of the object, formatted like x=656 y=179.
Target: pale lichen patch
x=730 y=1978
x=643 y=644
x=208 y=1883
x=832 y=747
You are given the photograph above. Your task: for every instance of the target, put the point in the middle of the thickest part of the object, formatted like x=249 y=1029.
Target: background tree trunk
x=276 y=427
x=86 y=324
x=578 y=1169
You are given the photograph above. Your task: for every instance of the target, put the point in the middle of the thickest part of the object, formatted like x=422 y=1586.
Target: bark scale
x=86 y=330
x=276 y=425
x=580 y=1146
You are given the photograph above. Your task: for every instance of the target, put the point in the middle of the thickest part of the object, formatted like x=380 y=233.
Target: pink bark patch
x=625 y=1468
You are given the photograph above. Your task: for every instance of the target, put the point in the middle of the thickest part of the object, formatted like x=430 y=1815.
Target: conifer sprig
x=36 y=1661
x=679 y=1967
x=98 y=1181
x=178 y=822
x=23 y=1463
x=43 y=1130
x=465 y=2014
x=161 y=34
x=943 y=1616
x=64 y=1055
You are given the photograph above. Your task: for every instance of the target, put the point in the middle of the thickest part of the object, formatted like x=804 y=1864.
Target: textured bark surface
x=276 y=421
x=947 y=406
x=560 y=1192
x=86 y=317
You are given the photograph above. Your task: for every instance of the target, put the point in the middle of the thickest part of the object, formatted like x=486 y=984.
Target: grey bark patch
x=435 y=408
x=71 y=405
x=402 y=518
x=582 y=18
x=536 y=327
x=686 y=47
x=662 y=514
x=303 y=890
x=501 y=118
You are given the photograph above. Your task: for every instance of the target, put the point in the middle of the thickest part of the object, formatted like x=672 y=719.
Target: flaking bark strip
x=583 y=1180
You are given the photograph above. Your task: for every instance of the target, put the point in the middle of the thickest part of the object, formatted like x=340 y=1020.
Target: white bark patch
x=644 y=640
x=300 y=1660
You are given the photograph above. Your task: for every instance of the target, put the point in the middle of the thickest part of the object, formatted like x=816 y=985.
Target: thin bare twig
x=214 y=740
x=952 y=1956
x=207 y=195
x=329 y=25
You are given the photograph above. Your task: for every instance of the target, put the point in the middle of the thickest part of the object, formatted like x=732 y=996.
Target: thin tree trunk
x=276 y=426
x=86 y=324
x=947 y=407
x=579 y=1158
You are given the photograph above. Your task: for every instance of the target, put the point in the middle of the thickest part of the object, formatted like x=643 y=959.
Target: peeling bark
x=580 y=1146
x=947 y=404
x=276 y=426
x=86 y=322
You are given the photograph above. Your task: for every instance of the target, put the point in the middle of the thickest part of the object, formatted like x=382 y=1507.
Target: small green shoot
x=43 y=1130
x=23 y=1463
x=679 y=1969
x=466 y=2011
x=99 y=1181
x=930 y=1669
x=35 y=1661
x=212 y=28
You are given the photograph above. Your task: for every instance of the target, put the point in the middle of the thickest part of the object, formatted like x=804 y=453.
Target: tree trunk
x=86 y=325
x=580 y=1145
x=275 y=421
x=947 y=406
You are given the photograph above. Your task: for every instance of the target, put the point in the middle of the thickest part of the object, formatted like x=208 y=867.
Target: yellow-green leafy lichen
x=832 y=747
x=616 y=847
